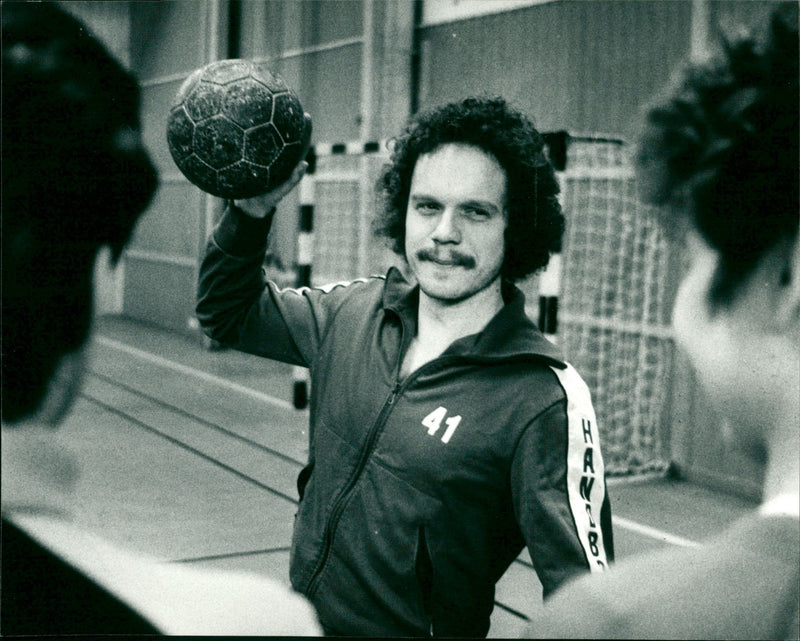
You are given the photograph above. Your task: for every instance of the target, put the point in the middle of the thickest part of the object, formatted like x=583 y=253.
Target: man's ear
x=787 y=312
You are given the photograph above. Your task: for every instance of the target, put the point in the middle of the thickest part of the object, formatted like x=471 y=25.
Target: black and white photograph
x=400 y=318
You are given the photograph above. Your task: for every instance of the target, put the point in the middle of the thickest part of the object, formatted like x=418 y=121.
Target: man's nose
x=446 y=230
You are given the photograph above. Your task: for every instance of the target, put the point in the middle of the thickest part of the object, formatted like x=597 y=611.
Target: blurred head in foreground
x=719 y=156
x=75 y=179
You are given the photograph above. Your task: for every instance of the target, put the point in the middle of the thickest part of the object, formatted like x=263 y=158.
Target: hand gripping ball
x=236 y=130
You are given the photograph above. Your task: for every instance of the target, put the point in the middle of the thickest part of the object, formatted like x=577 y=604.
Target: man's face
x=455 y=222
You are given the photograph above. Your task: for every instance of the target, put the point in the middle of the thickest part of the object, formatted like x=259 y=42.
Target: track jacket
x=419 y=492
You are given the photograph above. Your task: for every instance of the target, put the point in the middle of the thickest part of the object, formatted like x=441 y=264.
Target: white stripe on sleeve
x=585 y=471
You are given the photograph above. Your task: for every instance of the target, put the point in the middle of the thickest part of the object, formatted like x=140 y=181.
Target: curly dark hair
x=75 y=178
x=721 y=150
x=535 y=221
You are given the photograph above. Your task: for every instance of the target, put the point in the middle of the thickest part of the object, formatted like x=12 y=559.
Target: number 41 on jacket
x=433 y=422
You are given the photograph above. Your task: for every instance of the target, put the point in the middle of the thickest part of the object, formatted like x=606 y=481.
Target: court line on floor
x=655 y=533
x=232 y=555
x=638 y=528
x=191 y=371
x=199 y=419
x=122 y=414
x=510 y=610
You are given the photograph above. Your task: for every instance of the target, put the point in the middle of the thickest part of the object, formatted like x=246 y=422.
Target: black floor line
x=199 y=419
x=189 y=448
x=516 y=613
x=231 y=555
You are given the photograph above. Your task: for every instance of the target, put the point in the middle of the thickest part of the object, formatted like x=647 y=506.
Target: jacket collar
x=510 y=334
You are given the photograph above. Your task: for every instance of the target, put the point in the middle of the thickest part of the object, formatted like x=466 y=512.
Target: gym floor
x=191 y=455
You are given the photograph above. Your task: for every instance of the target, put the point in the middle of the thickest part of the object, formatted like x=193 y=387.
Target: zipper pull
x=394 y=392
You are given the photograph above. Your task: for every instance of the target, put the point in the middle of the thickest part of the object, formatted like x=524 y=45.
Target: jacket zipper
x=338 y=508
x=366 y=451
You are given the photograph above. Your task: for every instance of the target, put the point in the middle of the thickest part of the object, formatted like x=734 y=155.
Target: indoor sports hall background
x=206 y=444
x=360 y=68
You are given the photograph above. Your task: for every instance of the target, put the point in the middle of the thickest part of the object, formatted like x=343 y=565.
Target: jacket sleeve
x=559 y=490
x=238 y=307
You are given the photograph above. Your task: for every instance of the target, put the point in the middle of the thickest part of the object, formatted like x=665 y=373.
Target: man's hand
x=260 y=206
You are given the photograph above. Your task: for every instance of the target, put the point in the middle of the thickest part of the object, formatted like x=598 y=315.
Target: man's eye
x=477 y=213
x=426 y=208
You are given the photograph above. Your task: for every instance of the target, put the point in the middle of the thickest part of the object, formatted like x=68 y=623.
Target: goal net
x=614 y=304
x=344 y=206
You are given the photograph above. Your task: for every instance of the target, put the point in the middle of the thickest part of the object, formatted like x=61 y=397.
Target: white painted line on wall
x=654 y=533
x=191 y=371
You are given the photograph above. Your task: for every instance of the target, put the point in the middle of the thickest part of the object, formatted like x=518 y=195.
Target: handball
x=236 y=130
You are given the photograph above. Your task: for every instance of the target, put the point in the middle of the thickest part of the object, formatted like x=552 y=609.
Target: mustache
x=450 y=257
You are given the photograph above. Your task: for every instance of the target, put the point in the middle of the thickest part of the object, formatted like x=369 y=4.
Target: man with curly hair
x=446 y=431
x=720 y=154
